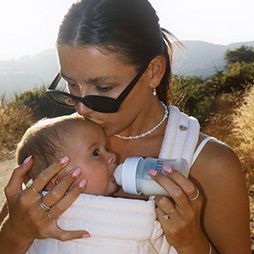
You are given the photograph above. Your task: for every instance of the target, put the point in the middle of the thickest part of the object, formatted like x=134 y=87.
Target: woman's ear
x=156 y=70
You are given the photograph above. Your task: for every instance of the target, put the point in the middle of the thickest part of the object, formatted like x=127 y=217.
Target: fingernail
x=63 y=160
x=26 y=160
x=76 y=172
x=152 y=172
x=86 y=235
x=167 y=169
x=82 y=183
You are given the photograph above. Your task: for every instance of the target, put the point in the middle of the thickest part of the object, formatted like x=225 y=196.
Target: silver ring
x=166 y=216
x=43 y=206
x=29 y=185
x=196 y=197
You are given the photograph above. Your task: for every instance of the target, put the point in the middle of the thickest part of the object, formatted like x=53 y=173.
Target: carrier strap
x=181 y=136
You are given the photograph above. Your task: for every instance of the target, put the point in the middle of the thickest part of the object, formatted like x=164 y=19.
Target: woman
x=103 y=48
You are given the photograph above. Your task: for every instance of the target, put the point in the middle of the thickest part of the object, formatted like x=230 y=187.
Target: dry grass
x=243 y=130
x=15 y=119
x=234 y=126
x=6 y=168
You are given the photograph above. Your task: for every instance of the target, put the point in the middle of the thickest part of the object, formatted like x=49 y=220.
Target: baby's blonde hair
x=44 y=141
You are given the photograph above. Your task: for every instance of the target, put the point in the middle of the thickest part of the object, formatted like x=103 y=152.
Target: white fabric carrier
x=116 y=225
x=181 y=136
x=119 y=225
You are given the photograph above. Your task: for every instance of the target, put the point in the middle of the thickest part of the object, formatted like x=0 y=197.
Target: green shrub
x=40 y=105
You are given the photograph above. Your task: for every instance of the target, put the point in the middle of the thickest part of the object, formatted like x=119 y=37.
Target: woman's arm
x=27 y=220
x=226 y=217
x=220 y=214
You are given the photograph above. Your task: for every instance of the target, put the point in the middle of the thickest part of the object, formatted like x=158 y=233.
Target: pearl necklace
x=144 y=134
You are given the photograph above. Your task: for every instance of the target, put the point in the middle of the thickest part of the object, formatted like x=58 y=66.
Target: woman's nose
x=82 y=109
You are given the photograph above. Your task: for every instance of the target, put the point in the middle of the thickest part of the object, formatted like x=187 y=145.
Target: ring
x=29 y=185
x=196 y=197
x=166 y=216
x=43 y=206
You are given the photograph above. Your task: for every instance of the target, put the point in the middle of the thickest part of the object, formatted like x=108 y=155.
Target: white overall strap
x=191 y=140
x=181 y=136
x=200 y=147
x=169 y=136
x=180 y=140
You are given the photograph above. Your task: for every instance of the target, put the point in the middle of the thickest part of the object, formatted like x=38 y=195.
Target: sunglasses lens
x=62 y=99
x=94 y=102
x=101 y=104
x=68 y=101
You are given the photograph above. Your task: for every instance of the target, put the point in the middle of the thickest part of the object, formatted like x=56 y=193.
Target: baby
x=82 y=140
x=116 y=225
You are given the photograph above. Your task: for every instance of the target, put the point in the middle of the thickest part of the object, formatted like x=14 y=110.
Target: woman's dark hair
x=129 y=27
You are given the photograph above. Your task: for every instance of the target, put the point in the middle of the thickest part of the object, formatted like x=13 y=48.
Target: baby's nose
x=111 y=158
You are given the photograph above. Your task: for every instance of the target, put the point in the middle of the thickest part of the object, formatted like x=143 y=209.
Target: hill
x=198 y=58
x=202 y=58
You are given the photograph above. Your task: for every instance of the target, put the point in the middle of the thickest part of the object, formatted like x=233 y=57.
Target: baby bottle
x=134 y=178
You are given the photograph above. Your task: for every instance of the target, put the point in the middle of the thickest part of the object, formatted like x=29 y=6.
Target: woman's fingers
x=44 y=177
x=65 y=235
x=175 y=191
x=179 y=214
x=30 y=215
x=165 y=204
x=64 y=203
x=61 y=188
x=14 y=185
x=188 y=187
x=60 y=207
x=181 y=189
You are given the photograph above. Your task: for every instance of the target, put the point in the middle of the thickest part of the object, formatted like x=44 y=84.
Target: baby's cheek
x=96 y=186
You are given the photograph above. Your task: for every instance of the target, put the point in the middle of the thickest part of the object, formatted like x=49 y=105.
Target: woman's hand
x=180 y=213
x=29 y=216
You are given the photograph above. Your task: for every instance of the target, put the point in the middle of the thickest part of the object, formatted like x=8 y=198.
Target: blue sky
x=29 y=26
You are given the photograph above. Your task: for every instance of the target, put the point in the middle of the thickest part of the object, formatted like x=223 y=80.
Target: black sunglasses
x=97 y=103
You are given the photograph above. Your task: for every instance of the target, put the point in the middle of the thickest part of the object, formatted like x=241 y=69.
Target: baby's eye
x=95 y=153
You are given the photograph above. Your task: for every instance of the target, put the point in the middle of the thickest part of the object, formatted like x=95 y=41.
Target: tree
x=194 y=95
x=242 y=54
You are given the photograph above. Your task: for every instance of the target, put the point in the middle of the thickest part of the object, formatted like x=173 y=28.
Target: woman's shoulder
x=215 y=158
